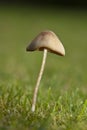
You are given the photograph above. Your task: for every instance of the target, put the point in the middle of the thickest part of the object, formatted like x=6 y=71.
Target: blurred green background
x=19 y=25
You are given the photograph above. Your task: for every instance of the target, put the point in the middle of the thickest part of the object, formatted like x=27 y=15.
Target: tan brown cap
x=47 y=40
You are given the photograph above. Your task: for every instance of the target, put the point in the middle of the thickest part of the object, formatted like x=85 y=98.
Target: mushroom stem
x=38 y=80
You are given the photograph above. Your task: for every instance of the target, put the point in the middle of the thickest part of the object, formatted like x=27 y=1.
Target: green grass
x=62 y=97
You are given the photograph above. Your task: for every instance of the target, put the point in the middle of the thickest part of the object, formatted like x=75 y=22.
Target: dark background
x=77 y=3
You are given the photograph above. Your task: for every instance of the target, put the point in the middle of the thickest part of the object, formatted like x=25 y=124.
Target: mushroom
x=45 y=41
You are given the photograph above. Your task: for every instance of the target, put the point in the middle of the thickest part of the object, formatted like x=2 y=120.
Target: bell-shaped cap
x=47 y=40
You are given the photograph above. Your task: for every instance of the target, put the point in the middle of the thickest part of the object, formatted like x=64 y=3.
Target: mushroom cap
x=47 y=40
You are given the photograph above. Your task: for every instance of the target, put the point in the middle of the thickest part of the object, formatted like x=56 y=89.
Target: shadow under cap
x=47 y=40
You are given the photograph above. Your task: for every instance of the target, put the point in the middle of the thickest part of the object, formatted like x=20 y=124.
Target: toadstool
x=45 y=41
